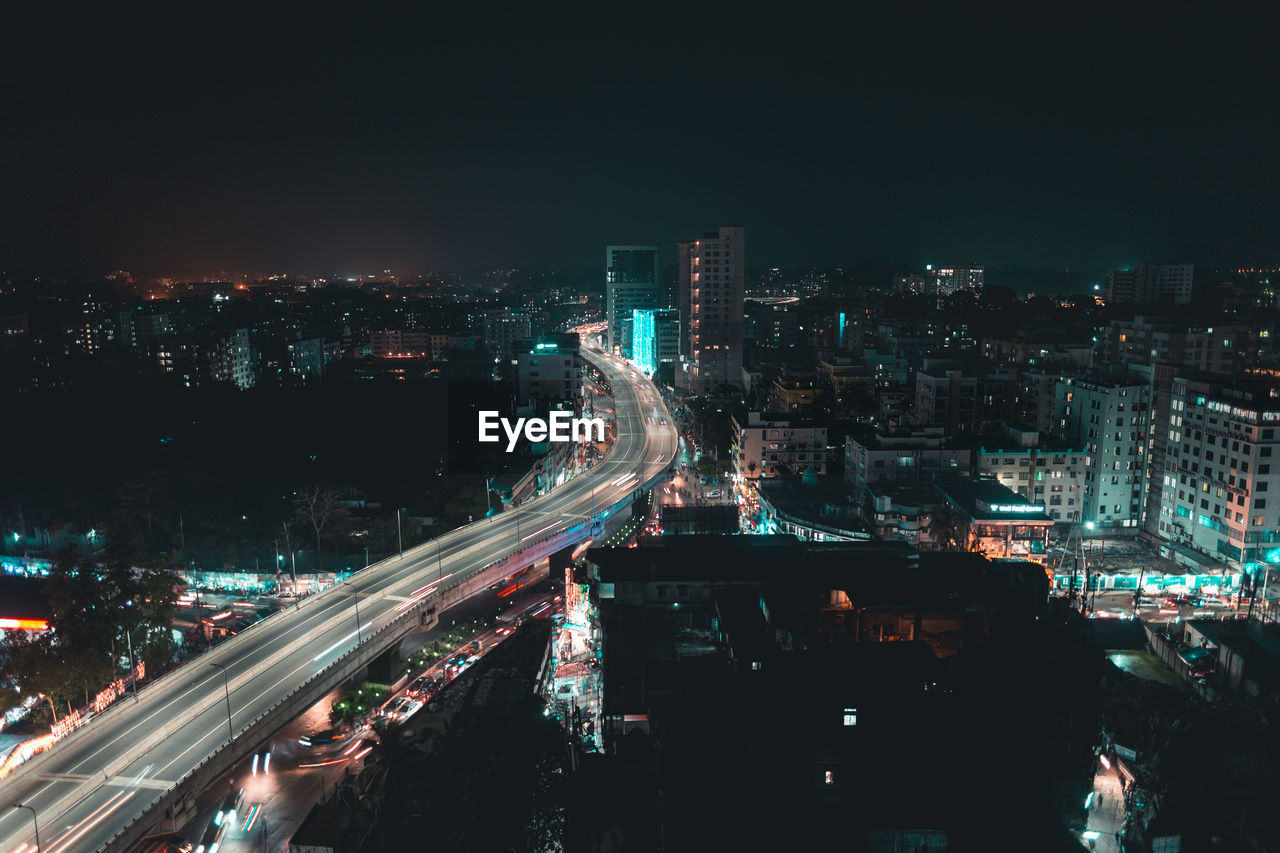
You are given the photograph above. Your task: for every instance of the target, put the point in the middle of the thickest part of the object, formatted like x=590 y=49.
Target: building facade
x=712 y=280
x=631 y=284
x=765 y=442
x=1110 y=418
x=1053 y=477
x=549 y=371
x=1168 y=284
x=1222 y=457
x=911 y=456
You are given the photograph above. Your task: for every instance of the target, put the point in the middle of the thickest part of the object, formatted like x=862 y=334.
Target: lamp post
x=34 y=822
x=293 y=561
x=399 y=534
x=356 y=594
x=226 y=685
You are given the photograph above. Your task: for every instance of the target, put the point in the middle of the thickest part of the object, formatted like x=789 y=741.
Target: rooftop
x=987 y=500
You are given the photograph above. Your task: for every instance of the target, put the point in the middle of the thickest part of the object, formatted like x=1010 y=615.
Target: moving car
x=168 y=843
x=321 y=737
x=401 y=708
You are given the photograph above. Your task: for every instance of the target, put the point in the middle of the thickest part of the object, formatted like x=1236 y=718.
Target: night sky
x=447 y=142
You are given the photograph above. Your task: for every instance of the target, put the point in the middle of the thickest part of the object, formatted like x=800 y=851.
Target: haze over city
x=471 y=140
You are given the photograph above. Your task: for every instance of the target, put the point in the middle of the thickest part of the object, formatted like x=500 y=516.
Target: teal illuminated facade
x=644 y=341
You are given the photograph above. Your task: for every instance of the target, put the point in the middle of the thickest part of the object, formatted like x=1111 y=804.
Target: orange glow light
x=23 y=624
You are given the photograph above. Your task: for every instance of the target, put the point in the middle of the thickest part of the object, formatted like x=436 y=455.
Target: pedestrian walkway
x=1106 y=812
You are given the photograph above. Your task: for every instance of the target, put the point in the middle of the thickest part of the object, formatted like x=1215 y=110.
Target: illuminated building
x=994 y=520
x=712 y=287
x=1110 y=417
x=1052 y=476
x=643 y=341
x=766 y=441
x=549 y=370
x=1216 y=504
x=947 y=280
x=631 y=284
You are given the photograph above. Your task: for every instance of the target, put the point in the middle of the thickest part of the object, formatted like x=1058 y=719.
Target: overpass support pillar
x=385 y=668
x=560 y=560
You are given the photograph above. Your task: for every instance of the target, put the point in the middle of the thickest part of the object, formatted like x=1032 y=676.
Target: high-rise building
x=1163 y=283
x=1222 y=437
x=1110 y=417
x=947 y=280
x=211 y=358
x=631 y=284
x=712 y=286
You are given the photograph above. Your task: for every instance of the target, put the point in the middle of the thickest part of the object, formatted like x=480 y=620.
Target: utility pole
x=293 y=561
x=231 y=736
x=128 y=635
x=359 y=635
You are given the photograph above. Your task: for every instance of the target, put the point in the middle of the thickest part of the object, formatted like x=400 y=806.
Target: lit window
x=850 y=716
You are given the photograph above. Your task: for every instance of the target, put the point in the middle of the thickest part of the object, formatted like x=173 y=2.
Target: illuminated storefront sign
x=1015 y=508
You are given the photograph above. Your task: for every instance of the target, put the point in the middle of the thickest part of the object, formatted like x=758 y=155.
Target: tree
x=33 y=663
x=942 y=523
x=321 y=507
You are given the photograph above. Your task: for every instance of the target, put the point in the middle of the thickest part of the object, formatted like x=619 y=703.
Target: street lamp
x=227 y=687
x=399 y=535
x=356 y=593
x=34 y=822
x=293 y=561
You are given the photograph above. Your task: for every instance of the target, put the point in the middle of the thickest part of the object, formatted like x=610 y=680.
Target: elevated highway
x=106 y=783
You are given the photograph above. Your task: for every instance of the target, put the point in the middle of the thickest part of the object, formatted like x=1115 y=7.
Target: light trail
x=336 y=645
x=103 y=812
x=543 y=530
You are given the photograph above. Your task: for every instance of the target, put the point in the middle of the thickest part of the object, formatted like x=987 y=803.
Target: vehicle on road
x=322 y=737
x=1216 y=602
x=714 y=493
x=401 y=708
x=168 y=843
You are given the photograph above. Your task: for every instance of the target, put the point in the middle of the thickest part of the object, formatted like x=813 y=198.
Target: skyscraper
x=1144 y=283
x=948 y=280
x=631 y=283
x=712 y=284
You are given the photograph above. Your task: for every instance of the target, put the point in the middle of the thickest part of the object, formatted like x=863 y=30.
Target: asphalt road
x=96 y=782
